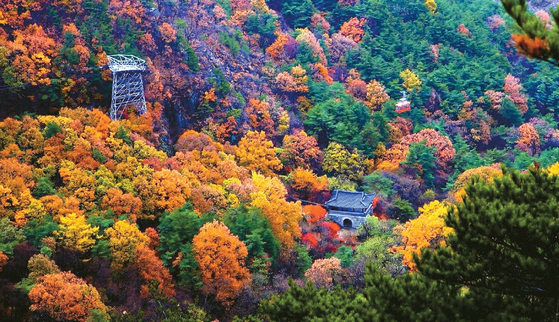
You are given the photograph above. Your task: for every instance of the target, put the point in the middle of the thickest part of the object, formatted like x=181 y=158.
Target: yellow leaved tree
x=410 y=80
x=340 y=161
x=553 y=169
x=284 y=216
x=486 y=173
x=427 y=230
x=256 y=153
x=74 y=233
x=124 y=237
x=431 y=5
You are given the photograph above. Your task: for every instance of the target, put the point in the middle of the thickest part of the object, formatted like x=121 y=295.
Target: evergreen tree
x=423 y=159
x=310 y=304
x=36 y=229
x=298 y=13
x=254 y=230
x=345 y=254
x=51 y=130
x=191 y=59
x=465 y=158
x=177 y=229
x=533 y=38
x=44 y=187
x=401 y=209
x=410 y=297
x=509 y=113
x=123 y=134
x=504 y=241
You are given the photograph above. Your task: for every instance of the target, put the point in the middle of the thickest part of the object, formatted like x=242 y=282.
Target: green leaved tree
x=176 y=231
x=254 y=230
x=422 y=158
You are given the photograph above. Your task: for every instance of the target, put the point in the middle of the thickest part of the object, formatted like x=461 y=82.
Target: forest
x=211 y=205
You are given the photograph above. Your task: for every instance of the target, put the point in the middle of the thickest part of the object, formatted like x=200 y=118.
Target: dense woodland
x=209 y=206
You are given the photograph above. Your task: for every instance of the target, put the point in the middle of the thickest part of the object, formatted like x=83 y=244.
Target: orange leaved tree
x=221 y=259
x=65 y=297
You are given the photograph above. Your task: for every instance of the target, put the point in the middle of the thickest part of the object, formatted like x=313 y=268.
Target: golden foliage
x=171 y=189
x=283 y=216
x=553 y=169
x=410 y=80
x=339 y=160
x=427 y=230
x=256 y=153
x=74 y=233
x=124 y=237
x=431 y=5
x=486 y=173
x=376 y=95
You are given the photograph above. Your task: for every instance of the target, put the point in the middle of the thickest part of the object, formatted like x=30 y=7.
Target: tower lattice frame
x=128 y=85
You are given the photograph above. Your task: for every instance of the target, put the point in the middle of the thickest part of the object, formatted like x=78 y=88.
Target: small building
x=349 y=208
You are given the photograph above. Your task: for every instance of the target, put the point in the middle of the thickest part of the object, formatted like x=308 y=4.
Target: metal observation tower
x=128 y=87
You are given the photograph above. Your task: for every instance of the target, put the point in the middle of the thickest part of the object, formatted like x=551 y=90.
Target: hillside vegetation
x=208 y=206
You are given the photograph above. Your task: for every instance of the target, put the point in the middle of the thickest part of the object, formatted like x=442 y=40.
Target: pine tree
x=298 y=12
x=505 y=240
x=533 y=38
x=176 y=230
x=310 y=304
x=254 y=230
x=421 y=157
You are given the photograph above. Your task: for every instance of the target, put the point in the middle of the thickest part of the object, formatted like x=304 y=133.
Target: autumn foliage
x=63 y=296
x=75 y=233
x=325 y=272
x=410 y=80
x=353 y=29
x=314 y=213
x=531 y=47
x=483 y=173
x=444 y=149
x=529 y=140
x=427 y=230
x=256 y=153
x=254 y=109
x=513 y=90
x=221 y=257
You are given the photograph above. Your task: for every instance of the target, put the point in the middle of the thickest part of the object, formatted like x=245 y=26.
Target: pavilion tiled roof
x=350 y=199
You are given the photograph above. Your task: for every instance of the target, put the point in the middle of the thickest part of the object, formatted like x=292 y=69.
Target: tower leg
x=128 y=89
